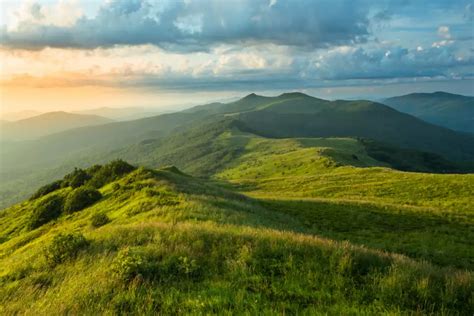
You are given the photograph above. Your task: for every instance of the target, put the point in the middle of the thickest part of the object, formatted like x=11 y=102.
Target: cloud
x=64 y=13
x=215 y=44
x=195 y=25
x=390 y=62
x=268 y=66
x=443 y=31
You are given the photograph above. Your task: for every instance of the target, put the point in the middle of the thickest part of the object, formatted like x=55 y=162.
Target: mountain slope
x=299 y=115
x=190 y=139
x=47 y=123
x=445 y=109
x=206 y=149
x=54 y=149
x=170 y=243
x=304 y=116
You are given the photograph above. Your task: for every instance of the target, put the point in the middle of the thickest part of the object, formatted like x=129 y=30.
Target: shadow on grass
x=396 y=229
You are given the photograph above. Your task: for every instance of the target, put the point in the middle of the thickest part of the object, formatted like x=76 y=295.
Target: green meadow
x=161 y=241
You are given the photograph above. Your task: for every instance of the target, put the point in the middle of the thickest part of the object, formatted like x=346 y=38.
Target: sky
x=81 y=54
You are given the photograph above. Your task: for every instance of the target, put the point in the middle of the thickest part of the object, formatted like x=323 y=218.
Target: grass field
x=176 y=244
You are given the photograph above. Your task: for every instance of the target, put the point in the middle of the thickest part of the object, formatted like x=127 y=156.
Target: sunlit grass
x=322 y=238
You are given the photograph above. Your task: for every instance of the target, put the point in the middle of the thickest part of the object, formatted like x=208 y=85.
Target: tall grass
x=174 y=244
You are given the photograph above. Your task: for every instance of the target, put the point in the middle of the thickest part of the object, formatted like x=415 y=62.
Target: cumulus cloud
x=64 y=13
x=389 y=62
x=215 y=44
x=196 y=25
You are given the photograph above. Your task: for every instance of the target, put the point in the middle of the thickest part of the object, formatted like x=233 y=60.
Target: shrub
x=63 y=247
x=81 y=198
x=110 y=172
x=174 y=267
x=132 y=262
x=128 y=264
x=46 y=189
x=76 y=178
x=48 y=209
x=99 y=219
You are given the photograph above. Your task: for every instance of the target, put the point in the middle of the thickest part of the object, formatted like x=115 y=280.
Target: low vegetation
x=165 y=242
x=64 y=247
x=99 y=219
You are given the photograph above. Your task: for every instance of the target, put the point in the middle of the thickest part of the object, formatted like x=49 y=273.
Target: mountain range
x=45 y=124
x=445 y=109
x=171 y=138
x=121 y=114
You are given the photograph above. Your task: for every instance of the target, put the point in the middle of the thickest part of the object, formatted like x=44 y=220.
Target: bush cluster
x=102 y=175
x=63 y=247
x=81 y=198
x=46 y=189
x=95 y=176
x=46 y=210
x=51 y=207
x=76 y=178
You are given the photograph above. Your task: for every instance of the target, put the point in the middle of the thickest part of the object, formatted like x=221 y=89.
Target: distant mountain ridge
x=192 y=139
x=19 y=115
x=121 y=114
x=46 y=124
x=441 y=108
x=299 y=115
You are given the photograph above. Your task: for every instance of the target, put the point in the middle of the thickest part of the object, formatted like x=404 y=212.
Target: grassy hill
x=445 y=109
x=46 y=124
x=160 y=241
x=187 y=139
x=298 y=115
x=205 y=149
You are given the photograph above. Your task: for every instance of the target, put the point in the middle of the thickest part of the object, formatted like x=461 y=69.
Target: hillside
x=160 y=241
x=300 y=115
x=297 y=115
x=445 y=109
x=190 y=139
x=46 y=124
